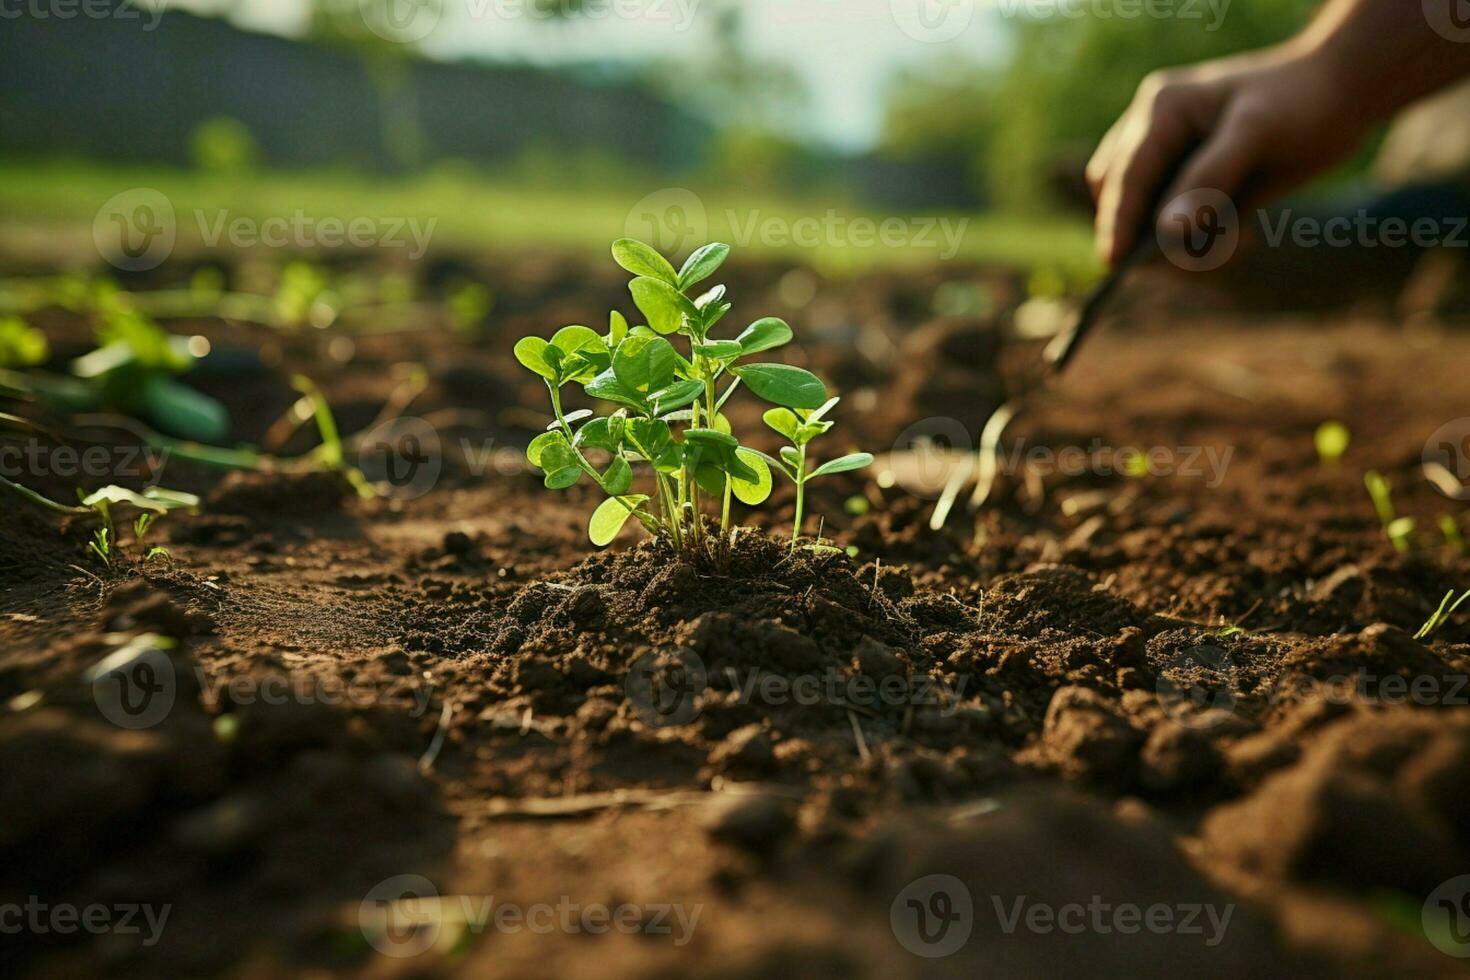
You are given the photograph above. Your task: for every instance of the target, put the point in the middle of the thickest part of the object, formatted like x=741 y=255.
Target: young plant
x=151 y=503
x=1451 y=531
x=1332 y=440
x=799 y=427
x=21 y=345
x=1441 y=615
x=1398 y=530
x=668 y=418
x=133 y=370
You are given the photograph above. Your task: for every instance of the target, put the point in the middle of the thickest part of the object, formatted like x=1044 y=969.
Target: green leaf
x=154 y=499
x=563 y=478
x=610 y=516
x=806 y=433
x=710 y=447
x=538 y=446
x=607 y=387
x=604 y=433
x=783 y=384
x=782 y=421
x=755 y=491
x=712 y=295
x=844 y=464
x=643 y=260
x=584 y=353
x=821 y=413
x=702 y=264
x=617 y=330
x=569 y=418
x=531 y=352
x=654 y=441
x=792 y=458
x=664 y=306
x=575 y=338
x=556 y=454
x=618 y=478
x=713 y=437
x=21 y=345
x=764 y=334
x=676 y=395
x=720 y=350
x=179 y=410
x=645 y=364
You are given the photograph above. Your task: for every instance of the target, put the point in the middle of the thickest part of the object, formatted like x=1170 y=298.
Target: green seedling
x=133 y=371
x=1398 y=530
x=1441 y=615
x=669 y=417
x=1332 y=440
x=800 y=427
x=1452 y=536
x=101 y=545
x=331 y=455
x=98 y=505
x=21 y=345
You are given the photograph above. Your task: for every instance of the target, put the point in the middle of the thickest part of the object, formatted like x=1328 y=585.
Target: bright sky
x=842 y=49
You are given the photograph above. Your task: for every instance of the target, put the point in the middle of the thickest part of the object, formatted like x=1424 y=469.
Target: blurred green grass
x=499 y=213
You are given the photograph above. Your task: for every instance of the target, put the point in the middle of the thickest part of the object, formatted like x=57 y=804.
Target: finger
x=1102 y=158
x=1222 y=164
x=1147 y=148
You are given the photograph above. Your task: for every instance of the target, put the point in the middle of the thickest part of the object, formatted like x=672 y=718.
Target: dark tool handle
x=1064 y=345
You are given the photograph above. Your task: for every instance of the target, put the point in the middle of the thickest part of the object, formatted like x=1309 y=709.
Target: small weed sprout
x=1441 y=615
x=1451 y=531
x=669 y=416
x=1398 y=530
x=1332 y=440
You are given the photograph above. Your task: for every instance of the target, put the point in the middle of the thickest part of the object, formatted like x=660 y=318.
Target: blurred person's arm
x=1258 y=124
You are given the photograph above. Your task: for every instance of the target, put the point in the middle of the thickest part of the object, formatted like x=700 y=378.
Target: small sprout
x=331 y=455
x=1135 y=464
x=668 y=419
x=1441 y=615
x=21 y=345
x=1451 y=531
x=857 y=505
x=101 y=545
x=800 y=426
x=1398 y=530
x=142 y=525
x=1332 y=440
x=158 y=553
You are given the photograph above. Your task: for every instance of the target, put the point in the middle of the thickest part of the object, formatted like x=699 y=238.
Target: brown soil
x=1163 y=690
